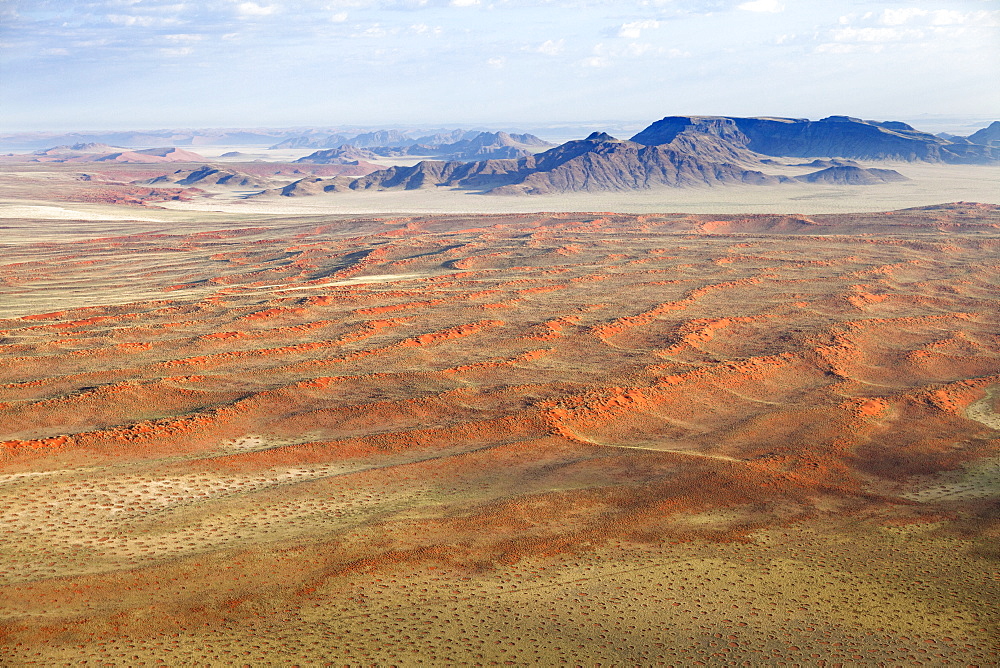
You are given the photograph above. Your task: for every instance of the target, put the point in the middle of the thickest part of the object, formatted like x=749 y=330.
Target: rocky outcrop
x=477 y=146
x=83 y=148
x=491 y=145
x=823 y=164
x=852 y=175
x=597 y=163
x=338 y=156
x=381 y=138
x=834 y=136
x=988 y=136
x=206 y=175
x=602 y=163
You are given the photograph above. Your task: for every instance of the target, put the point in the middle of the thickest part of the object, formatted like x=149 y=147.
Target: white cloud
x=897 y=17
x=253 y=9
x=184 y=38
x=938 y=17
x=424 y=29
x=949 y=17
x=374 y=30
x=141 y=21
x=633 y=30
x=55 y=52
x=463 y=3
x=178 y=52
x=339 y=17
x=772 y=6
x=552 y=47
x=595 y=61
x=607 y=53
x=879 y=35
x=836 y=48
x=497 y=63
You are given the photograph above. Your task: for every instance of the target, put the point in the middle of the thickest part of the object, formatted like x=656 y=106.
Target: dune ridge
x=526 y=438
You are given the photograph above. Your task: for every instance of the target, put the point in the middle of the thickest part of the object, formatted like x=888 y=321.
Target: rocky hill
x=475 y=146
x=852 y=175
x=834 y=136
x=598 y=163
x=492 y=145
x=677 y=151
x=312 y=140
x=79 y=149
x=207 y=175
x=989 y=136
x=338 y=156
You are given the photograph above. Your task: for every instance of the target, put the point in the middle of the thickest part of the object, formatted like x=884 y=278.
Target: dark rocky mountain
x=311 y=185
x=598 y=163
x=338 y=156
x=676 y=151
x=834 y=136
x=988 y=136
x=208 y=175
x=852 y=176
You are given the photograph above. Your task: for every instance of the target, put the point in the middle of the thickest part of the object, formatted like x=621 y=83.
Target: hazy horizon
x=552 y=131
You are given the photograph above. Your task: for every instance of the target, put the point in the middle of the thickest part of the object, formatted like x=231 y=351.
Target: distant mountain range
x=833 y=137
x=473 y=146
x=98 y=152
x=325 y=137
x=377 y=138
x=676 y=151
x=686 y=151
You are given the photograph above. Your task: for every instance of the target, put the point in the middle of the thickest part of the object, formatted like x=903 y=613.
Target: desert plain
x=719 y=426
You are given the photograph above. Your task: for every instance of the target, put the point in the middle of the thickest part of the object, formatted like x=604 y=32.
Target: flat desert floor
x=929 y=184
x=499 y=439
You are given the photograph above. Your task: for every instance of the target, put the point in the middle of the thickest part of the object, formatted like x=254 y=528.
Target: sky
x=145 y=64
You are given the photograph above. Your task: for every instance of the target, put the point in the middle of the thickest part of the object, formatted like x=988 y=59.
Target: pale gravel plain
x=928 y=184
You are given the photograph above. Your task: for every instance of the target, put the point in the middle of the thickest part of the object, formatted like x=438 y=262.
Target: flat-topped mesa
x=834 y=136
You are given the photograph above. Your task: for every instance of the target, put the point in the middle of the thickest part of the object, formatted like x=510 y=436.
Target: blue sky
x=123 y=64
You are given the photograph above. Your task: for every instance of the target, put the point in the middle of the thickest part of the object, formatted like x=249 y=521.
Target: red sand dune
x=230 y=405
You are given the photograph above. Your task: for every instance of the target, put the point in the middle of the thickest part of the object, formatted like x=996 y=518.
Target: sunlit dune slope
x=587 y=437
